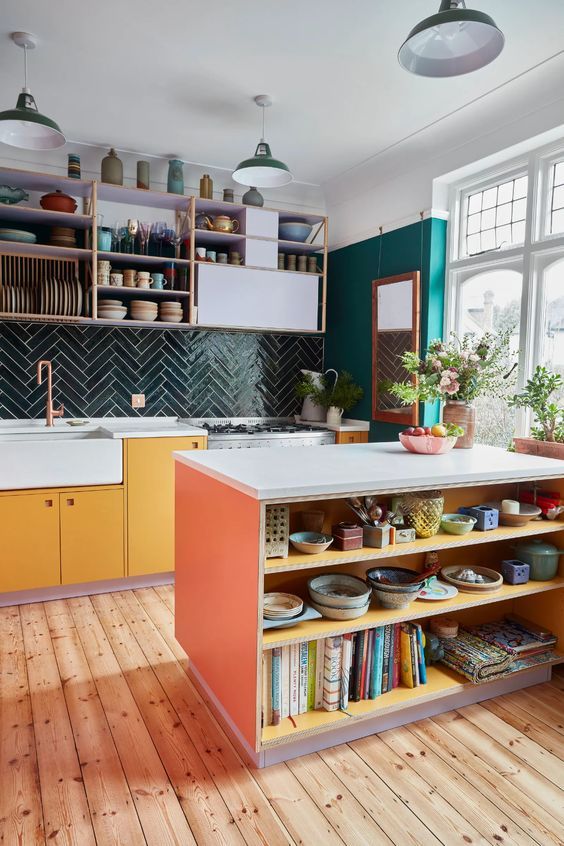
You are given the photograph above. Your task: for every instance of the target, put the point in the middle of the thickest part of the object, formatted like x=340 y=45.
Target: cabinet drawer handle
x=48 y=503
x=70 y=501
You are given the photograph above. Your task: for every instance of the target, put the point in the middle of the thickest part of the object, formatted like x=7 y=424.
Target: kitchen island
x=222 y=573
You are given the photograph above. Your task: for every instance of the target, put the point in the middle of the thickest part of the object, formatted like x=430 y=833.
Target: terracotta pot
x=547 y=449
x=57 y=201
x=464 y=415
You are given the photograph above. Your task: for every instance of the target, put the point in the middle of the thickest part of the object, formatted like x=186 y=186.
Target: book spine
x=369 y=658
x=294 y=679
x=302 y=697
x=376 y=677
x=391 y=659
x=363 y=664
x=414 y=658
x=276 y=657
x=351 y=673
x=345 y=670
x=285 y=682
x=421 y=654
x=406 y=670
x=397 y=656
x=386 y=658
x=311 y=667
x=267 y=687
x=332 y=674
x=357 y=669
x=319 y=668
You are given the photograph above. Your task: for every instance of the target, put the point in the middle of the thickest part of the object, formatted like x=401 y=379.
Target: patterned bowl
x=397 y=595
x=427 y=444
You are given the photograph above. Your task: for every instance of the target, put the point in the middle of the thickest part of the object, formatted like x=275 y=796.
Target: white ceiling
x=177 y=78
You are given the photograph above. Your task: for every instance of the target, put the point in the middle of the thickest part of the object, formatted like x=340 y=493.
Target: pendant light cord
x=263 y=110
x=25 y=68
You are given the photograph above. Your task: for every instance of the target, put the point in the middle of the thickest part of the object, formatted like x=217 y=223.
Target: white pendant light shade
x=455 y=41
x=262 y=170
x=24 y=126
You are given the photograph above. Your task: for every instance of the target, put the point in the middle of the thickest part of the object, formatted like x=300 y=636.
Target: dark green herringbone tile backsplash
x=186 y=373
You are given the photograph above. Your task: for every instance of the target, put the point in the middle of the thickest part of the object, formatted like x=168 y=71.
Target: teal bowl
x=310 y=542
x=457 y=524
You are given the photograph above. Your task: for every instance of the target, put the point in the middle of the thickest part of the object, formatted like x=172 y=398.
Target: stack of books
x=331 y=672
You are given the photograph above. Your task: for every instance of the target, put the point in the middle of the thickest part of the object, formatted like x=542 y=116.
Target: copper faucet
x=50 y=412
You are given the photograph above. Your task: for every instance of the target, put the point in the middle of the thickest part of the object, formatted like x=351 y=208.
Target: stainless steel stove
x=255 y=432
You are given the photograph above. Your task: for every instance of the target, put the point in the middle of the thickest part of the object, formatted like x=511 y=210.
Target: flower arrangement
x=343 y=394
x=460 y=369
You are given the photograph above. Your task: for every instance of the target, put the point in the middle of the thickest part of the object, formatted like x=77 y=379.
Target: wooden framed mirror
x=395 y=330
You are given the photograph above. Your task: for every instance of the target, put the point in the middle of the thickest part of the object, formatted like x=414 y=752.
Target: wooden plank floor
x=105 y=740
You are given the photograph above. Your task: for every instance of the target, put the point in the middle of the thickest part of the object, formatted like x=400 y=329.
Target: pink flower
x=473 y=357
x=436 y=364
x=453 y=388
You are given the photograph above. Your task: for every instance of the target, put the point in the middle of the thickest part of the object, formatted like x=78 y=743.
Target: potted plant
x=335 y=396
x=547 y=435
x=456 y=373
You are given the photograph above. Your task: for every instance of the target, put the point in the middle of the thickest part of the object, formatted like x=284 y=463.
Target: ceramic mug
x=211 y=255
x=116 y=279
x=103 y=266
x=144 y=283
x=129 y=278
x=222 y=258
x=158 y=282
x=302 y=264
x=200 y=253
x=234 y=257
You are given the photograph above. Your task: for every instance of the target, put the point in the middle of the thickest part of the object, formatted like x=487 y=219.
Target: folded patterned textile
x=474 y=658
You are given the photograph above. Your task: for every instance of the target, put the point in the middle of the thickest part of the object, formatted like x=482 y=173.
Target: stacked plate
x=20 y=235
x=170 y=312
x=111 y=309
x=143 y=310
x=281 y=606
x=339 y=596
x=63 y=236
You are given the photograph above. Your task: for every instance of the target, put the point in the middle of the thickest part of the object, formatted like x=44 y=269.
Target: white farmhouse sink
x=49 y=459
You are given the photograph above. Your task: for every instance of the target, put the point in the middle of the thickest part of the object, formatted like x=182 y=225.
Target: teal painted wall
x=351 y=270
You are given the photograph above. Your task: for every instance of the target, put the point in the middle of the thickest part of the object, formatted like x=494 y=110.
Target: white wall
x=395 y=185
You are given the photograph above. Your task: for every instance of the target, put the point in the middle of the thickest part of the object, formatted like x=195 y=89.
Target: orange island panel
x=217 y=589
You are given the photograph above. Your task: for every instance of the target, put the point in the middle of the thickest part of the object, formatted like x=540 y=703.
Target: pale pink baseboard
x=23 y=597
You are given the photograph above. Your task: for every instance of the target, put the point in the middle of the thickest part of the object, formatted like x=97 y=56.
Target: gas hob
x=254 y=432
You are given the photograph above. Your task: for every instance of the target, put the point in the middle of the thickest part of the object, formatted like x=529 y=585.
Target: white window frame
x=538 y=250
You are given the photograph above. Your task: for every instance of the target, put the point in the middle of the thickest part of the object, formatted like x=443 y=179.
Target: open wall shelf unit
x=226 y=643
x=255 y=295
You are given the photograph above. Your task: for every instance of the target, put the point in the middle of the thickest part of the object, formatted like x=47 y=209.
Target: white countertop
x=109 y=427
x=294 y=472
x=346 y=425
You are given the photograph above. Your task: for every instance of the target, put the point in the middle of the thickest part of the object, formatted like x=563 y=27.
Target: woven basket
x=423 y=511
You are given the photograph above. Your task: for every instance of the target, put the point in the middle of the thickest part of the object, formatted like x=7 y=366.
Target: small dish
x=457 y=524
x=494 y=580
x=526 y=513
x=311 y=543
x=339 y=590
x=435 y=590
x=331 y=613
x=281 y=606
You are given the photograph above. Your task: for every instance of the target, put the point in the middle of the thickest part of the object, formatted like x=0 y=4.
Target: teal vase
x=175 y=181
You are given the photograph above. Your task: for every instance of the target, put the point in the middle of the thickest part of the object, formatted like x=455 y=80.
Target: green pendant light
x=262 y=171
x=455 y=41
x=24 y=126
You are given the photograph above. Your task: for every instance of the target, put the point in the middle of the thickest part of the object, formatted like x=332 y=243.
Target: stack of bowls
x=111 y=309
x=170 y=312
x=281 y=606
x=143 y=310
x=393 y=587
x=339 y=596
x=63 y=236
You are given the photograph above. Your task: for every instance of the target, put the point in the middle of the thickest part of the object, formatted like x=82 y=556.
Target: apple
x=419 y=430
x=428 y=430
x=409 y=431
x=439 y=430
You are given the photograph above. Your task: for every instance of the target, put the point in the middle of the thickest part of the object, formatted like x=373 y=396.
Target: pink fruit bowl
x=427 y=444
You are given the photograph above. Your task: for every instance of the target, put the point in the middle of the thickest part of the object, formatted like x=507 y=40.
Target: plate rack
x=38 y=286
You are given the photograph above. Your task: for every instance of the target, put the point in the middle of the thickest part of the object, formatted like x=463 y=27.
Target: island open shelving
x=225 y=299
x=220 y=584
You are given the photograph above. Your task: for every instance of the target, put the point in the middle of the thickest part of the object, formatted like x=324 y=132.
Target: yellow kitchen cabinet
x=351 y=437
x=29 y=541
x=92 y=536
x=150 y=501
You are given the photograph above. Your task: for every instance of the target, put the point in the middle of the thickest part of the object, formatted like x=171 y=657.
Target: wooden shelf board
x=418 y=610
x=134 y=258
x=208 y=236
x=123 y=291
x=155 y=324
x=46 y=318
x=199 y=263
x=45 y=182
x=301 y=561
x=44 y=217
x=212 y=207
x=441 y=682
x=45 y=250
x=141 y=197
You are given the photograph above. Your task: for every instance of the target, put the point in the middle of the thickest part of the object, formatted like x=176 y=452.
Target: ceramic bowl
x=310 y=542
x=57 y=201
x=281 y=606
x=396 y=595
x=339 y=590
x=18 y=235
x=495 y=579
x=294 y=230
x=457 y=524
x=340 y=613
x=526 y=512
x=427 y=444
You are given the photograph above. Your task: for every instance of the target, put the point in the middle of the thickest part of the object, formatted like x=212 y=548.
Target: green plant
x=461 y=369
x=536 y=395
x=344 y=393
